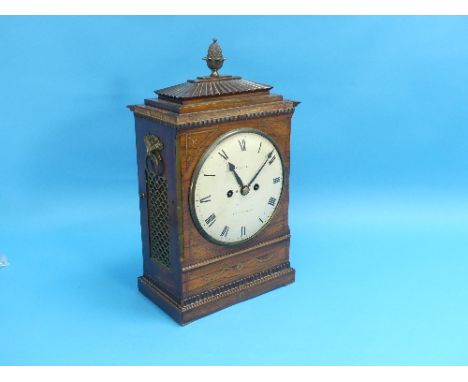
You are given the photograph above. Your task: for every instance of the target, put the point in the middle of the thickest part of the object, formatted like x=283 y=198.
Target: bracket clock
x=213 y=178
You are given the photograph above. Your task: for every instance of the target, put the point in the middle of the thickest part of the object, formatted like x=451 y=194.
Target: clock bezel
x=196 y=174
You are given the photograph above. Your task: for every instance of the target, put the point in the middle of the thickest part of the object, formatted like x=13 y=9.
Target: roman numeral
x=276 y=180
x=210 y=220
x=223 y=154
x=242 y=145
x=225 y=231
x=272 y=159
x=209 y=175
x=272 y=201
x=243 y=231
x=259 y=147
x=260 y=220
x=205 y=199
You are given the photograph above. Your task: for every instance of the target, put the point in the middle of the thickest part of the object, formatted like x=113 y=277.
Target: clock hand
x=270 y=154
x=238 y=179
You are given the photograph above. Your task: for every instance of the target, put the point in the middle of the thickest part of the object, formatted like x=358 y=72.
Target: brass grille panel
x=158 y=215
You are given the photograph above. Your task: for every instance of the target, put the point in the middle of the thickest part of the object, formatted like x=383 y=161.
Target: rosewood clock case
x=184 y=273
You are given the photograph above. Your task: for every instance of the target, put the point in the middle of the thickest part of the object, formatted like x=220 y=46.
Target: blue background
x=379 y=181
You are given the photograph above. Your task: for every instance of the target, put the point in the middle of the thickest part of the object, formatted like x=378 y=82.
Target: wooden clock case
x=199 y=277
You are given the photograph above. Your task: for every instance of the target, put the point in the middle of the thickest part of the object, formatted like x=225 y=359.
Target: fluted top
x=214 y=84
x=211 y=87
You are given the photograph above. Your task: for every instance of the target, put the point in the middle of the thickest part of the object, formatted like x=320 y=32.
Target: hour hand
x=238 y=179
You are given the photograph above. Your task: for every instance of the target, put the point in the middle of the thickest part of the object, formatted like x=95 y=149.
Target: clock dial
x=236 y=186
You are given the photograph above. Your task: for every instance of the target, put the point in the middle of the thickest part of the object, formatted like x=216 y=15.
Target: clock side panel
x=157 y=190
x=205 y=264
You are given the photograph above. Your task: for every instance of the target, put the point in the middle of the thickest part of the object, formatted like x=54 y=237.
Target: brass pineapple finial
x=215 y=58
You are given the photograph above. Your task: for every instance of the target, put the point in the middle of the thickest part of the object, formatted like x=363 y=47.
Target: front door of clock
x=236 y=186
x=213 y=178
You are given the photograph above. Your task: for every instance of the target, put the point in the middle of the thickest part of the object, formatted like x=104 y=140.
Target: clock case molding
x=200 y=277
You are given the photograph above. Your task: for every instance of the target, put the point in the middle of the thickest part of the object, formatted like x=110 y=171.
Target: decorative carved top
x=215 y=58
x=211 y=87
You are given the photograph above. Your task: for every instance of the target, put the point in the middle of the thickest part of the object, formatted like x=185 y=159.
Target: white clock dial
x=236 y=186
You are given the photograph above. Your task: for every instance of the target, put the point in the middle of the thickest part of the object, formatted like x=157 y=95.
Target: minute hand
x=261 y=168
